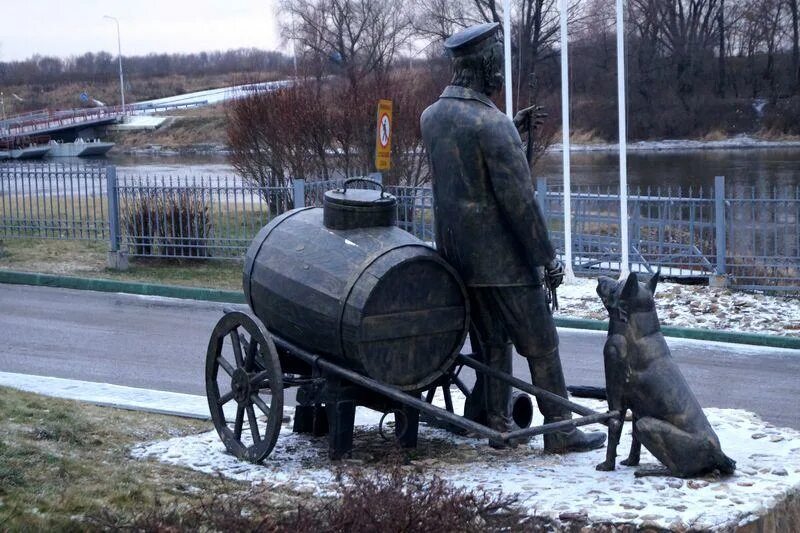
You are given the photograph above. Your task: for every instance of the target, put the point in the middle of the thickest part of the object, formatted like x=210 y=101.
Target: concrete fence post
x=299 y=188
x=720 y=278
x=117 y=259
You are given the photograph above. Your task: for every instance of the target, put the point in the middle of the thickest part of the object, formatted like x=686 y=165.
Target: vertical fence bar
x=541 y=195
x=113 y=209
x=299 y=188
x=719 y=223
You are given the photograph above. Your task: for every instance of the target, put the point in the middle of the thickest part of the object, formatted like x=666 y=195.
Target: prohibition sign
x=383 y=139
x=385 y=130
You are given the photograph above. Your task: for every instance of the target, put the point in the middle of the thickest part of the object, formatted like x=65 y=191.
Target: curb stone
x=237 y=297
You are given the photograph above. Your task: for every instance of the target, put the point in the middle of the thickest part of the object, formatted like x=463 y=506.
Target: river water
x=761 y=167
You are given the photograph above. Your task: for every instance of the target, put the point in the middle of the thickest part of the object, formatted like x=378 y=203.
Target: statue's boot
x=498 y=393
x=547 y=374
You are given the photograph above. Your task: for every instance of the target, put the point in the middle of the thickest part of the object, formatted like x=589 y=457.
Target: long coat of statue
x=496 y=234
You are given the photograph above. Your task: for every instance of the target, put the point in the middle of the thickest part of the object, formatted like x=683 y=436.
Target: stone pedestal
x=561 y=492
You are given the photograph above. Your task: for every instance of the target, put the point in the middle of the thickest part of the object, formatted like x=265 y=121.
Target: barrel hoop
x=249 y=265
x=412 y=323
x=351 y=283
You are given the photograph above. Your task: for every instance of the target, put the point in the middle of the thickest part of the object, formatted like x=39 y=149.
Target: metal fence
x=749 y=234
x=187 y=216
x=53 y=202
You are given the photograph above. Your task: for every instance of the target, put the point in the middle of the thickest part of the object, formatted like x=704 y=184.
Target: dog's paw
x=630 y=461
x=605 y=466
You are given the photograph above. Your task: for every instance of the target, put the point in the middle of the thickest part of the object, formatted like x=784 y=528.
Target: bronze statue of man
x=491 y=230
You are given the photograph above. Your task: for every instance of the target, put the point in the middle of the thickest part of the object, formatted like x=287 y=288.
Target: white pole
x=507 y=54
x=119 y=53
x=569 y=276
x=623 y=143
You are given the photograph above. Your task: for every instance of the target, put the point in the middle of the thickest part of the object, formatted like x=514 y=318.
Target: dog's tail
x=585 y=391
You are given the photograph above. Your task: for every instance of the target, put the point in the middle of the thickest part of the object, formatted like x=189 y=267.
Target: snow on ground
x=694 y=306
x=738 y=141
x=553 y=485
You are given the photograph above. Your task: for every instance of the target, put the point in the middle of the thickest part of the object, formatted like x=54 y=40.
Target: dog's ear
x=654 y=281
x=631 y=287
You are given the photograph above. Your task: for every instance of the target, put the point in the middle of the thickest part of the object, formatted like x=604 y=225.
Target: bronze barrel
x=374 y=299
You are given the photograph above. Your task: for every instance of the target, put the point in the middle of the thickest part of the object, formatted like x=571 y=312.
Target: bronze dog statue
x=642 y=376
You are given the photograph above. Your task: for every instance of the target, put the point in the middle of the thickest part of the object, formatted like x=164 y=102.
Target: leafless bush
x=388 y=501
x=139 y=220
x=177 y=224
x=187 y=225
x=325 y=128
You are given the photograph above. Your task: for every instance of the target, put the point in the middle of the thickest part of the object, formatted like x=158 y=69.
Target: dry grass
x=584 y=137
x=88 y=259
x=776 y=135
x=715 y=135
x=189 y=128
x=66 y=466
x=61 y=461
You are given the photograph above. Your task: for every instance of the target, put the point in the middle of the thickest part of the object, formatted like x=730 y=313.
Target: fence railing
x=749 y=234
x=53 y=202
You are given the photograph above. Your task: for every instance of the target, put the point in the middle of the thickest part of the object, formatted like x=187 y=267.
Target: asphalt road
x=160 y=344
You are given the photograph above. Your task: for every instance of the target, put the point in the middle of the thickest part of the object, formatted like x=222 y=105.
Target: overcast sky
x=72 y=27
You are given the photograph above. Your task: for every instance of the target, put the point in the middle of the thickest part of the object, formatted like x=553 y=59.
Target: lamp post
x=119 y=53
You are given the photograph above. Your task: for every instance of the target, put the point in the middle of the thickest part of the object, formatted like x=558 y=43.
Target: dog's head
x=623 y=298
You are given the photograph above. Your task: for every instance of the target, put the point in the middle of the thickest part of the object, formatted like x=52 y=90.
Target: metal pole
x=623 y=143
x=507 y=55
x=119 y=53
x=569 y=276
x=719 y=223
x=299 y=185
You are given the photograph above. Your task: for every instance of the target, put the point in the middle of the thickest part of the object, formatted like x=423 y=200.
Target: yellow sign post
x=383 y=139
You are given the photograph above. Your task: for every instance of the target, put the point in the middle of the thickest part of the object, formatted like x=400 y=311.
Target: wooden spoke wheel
x=250 y=384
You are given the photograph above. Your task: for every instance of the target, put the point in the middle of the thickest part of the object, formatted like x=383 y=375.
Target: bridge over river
x=72 y=123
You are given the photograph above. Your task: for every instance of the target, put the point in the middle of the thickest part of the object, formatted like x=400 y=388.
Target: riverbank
x=203 y=131
x=184 y=132
x=729 y=143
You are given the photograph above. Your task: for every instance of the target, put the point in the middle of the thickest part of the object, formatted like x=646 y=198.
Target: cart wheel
x=252 y=379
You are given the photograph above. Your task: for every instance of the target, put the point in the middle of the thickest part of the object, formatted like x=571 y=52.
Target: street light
x=119 y=53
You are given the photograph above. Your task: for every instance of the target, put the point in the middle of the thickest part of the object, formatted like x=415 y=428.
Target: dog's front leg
x=636 y=447
x=614 y=433
x=614 y=354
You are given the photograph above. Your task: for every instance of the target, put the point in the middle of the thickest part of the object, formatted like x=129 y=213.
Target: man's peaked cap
x=470 y=39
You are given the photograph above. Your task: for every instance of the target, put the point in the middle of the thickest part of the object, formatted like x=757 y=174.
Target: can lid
x=369 y=198
x=360 y=198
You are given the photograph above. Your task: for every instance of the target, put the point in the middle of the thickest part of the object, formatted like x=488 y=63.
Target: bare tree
x=795 y=23
x=359 y=37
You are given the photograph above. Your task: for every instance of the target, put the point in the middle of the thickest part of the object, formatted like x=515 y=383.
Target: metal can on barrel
x=346 y=283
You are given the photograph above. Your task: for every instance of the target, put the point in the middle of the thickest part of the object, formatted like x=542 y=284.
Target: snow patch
x=694 y=306
x=767 y=457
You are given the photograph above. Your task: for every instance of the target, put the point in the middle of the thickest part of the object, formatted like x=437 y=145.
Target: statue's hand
x=555 y=273
x=530 y=115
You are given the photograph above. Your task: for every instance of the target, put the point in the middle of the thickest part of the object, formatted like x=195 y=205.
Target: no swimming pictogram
x=383 y=139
